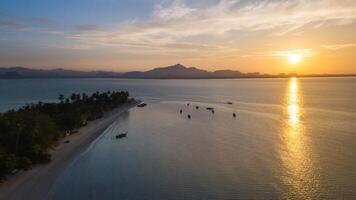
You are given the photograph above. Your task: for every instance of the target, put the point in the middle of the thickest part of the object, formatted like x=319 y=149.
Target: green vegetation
x=27 y=133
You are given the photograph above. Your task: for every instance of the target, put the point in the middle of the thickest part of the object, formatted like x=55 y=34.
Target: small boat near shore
x=121 y=135
x=141 y=105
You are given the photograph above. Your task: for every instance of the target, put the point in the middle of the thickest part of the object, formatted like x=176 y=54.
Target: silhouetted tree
x=27 y=133
x=61 y=98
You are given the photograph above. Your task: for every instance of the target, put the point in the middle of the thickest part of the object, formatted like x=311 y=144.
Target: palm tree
x=73 y=97
x=61 y=98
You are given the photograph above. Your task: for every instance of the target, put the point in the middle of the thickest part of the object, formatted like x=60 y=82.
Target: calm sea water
x=292 y=139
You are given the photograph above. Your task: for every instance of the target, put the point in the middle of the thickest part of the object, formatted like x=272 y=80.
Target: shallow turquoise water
x=292 y=139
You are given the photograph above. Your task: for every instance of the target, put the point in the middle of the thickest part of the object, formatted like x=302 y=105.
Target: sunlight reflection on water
x=301 y=176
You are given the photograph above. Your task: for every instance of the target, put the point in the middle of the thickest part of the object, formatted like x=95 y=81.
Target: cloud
x=44 y=21
x=202 y=29
x=228 y=15
x=10 y=22
x=86 y=28
x=173 y=25
x=66 y=46
x=281 y=53
x=338 y=46
x=177 y=10
x=301 y=52
x=12 y=25
x=7 y=22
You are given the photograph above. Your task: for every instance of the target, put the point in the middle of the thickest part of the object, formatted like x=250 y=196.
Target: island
x=29 y=134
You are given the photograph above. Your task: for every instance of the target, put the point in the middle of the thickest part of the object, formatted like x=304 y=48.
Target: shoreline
x=37 y=182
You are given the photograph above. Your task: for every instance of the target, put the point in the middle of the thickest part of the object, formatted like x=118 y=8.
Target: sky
x=268 y=36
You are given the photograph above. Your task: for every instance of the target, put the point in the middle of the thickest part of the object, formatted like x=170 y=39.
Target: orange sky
x=240 y=35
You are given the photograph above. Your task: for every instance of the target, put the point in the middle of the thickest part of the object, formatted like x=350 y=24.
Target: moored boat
x=121 y=135
x=141 y=105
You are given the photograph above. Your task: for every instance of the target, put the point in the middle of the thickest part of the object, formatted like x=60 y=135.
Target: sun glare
x=294 y=58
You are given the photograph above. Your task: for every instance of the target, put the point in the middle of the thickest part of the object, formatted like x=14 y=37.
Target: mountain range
x=22 y=72
x=177 y=71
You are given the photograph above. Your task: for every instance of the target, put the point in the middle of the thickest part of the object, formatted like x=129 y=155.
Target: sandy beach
x=36 y=183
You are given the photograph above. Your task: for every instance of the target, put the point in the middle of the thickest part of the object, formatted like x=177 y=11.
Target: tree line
x=27 y=133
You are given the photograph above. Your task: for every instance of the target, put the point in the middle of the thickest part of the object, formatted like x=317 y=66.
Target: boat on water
x=141 y=105
x=121 y=135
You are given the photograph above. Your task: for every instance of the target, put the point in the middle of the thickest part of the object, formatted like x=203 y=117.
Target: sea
x=292 y=138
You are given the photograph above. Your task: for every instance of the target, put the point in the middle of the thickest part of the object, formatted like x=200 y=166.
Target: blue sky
x=76 y=12
x=121 y=35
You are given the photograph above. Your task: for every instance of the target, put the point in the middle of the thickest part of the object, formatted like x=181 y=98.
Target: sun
x=294 y=58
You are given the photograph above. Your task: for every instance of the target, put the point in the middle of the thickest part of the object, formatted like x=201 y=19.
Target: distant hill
x=180 y=71
x=21 y=72
x=177 y=71
x=174 y=71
